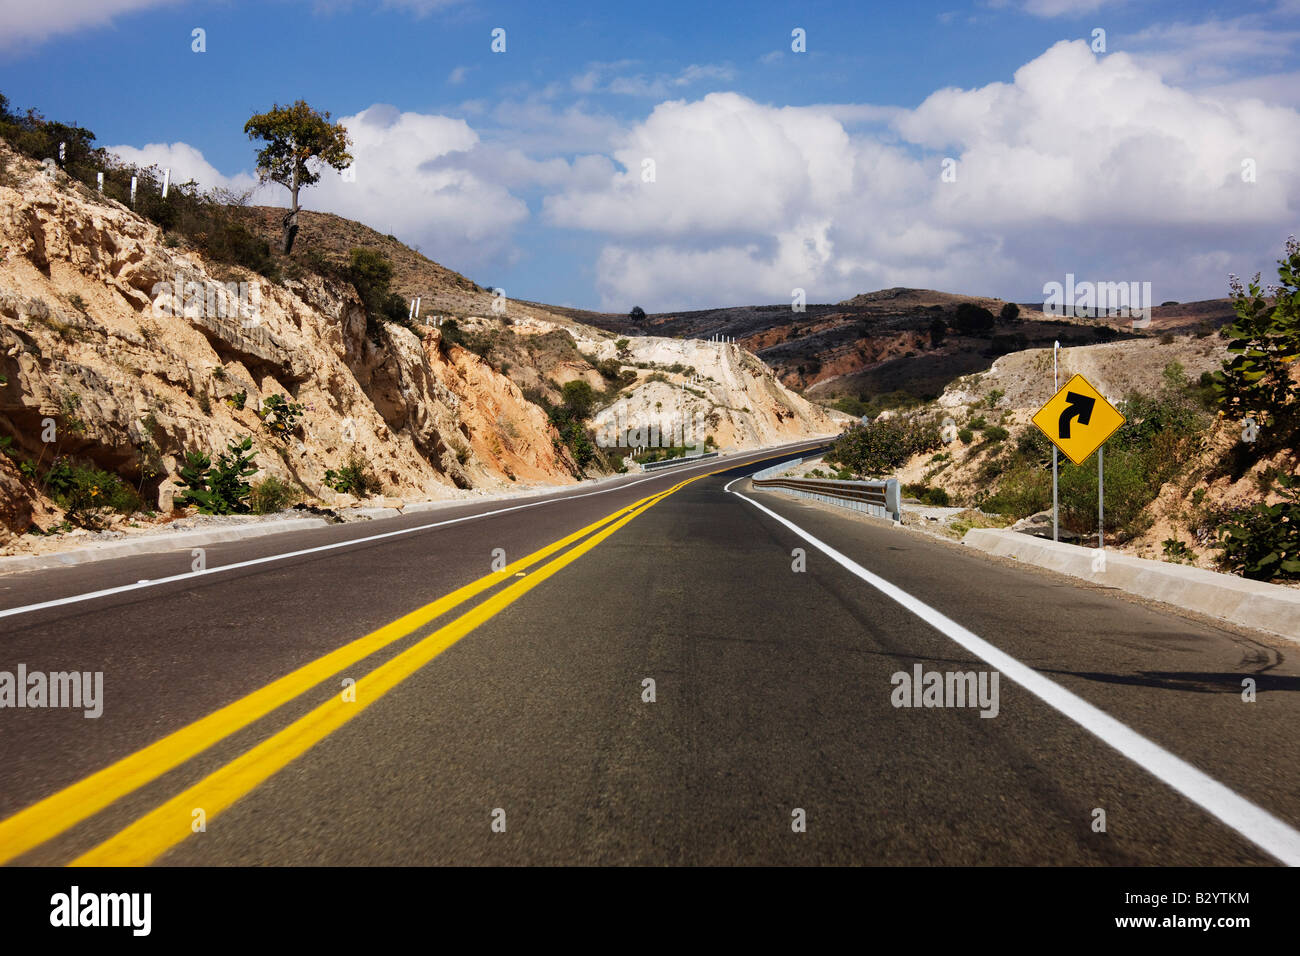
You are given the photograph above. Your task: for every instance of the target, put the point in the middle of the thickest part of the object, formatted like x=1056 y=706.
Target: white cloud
x=1080 y=164
x=411 y=179
x=600 y=77
x=186 y=163
x=402 y=187
x=421 y=8
x=31 y=23
x=1218 y=52
x=457 y=76
x=723 y=163
x=1066 y=8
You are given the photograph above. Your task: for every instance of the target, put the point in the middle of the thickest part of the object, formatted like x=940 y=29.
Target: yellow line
x=158 y=831
x=44 y=820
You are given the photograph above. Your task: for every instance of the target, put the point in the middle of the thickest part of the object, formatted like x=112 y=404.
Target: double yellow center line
x=159 y=830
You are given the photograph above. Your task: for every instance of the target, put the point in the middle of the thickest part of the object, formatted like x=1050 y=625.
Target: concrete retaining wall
x=1268 y=607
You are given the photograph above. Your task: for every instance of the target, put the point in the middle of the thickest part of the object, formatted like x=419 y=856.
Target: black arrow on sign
x=1076 y=406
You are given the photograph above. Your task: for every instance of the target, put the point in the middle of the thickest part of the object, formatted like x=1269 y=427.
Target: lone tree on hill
x=1010 y=312
x=300 y=142
x=637 y=313
x=972 y=319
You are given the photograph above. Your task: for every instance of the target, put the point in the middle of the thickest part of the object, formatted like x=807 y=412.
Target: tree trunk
x=291 y=220
x=290 y=226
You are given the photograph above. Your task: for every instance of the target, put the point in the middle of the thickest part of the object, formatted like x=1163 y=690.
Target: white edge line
x=190 y=575
x=1272 y=835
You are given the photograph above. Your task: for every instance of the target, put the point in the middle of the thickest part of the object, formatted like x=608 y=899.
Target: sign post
x=1101 y=514
x=1056 y=509
x=1078 y=420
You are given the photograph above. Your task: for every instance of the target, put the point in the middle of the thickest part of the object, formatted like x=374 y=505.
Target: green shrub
x=1033 y=446
x=1129 y=489
x=1264 y=341
x=280 y=416
x=883 y=446
x=966 y=435
x=996 y=433
x=451 y=333
x=273 y=495
x=237 y=400
x=1263 y=541
x=1021 y=490
x=219 y=489
x=354 y=478
x=972 y=319
x=579 y=398
x=88 y=494
x=1177 y=551
x=936 y=497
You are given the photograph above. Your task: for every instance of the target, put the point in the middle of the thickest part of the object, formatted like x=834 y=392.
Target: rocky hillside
x=123 y=350
x=882 y=342
x=1214 y=472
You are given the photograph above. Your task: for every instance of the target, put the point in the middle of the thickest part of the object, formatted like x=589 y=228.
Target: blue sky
x=774 y=170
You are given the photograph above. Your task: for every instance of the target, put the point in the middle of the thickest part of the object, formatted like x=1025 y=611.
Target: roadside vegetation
x=1169 y=436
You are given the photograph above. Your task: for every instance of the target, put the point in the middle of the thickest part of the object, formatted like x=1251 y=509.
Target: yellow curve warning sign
x=1078 y=419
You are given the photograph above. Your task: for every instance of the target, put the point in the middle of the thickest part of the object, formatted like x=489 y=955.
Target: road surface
x=401 y=700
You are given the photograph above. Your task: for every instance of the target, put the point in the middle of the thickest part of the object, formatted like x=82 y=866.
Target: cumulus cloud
x=409 y=177
x=402 y=187
x=186 y=163
x=721 y=164
x=1078 y=164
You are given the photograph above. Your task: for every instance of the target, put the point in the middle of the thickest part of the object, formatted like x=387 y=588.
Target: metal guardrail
x=774 y=469
x=880 y=498
x=656 y=465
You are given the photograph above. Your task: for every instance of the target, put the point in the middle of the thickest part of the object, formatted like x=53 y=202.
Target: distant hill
x=880 y=342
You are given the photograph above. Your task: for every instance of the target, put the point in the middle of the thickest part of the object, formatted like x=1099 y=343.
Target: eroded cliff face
x=117 y=349
x=721 y=391
x=122 y=349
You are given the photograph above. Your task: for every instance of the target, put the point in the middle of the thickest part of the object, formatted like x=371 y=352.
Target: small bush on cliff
x=1264 y=341
x=1263 y=541
x=223 y=488
x=355 y=478
x=88 y=494
x=273 y=495
x=280 y=416
x=371 y=274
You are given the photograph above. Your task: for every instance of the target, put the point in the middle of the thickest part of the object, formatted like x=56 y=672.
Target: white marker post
x=133 y=178
x=99 y=181
x=167 y=181
x=1056 y=387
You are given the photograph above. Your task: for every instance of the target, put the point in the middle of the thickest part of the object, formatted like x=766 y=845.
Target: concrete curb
x=172 y=541
x=163 y=541
x=155 y=543
x=1267 y=607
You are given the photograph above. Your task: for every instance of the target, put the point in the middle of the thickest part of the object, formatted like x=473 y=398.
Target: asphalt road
x=508 y=723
